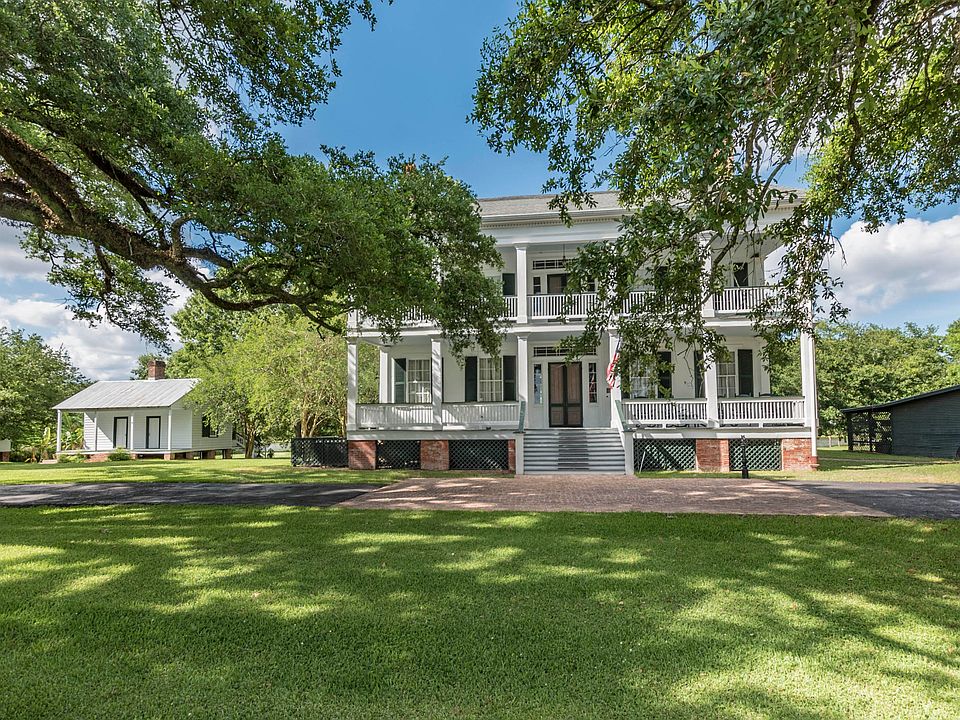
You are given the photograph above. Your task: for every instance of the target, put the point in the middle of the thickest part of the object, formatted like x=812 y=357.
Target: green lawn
x=164 y=612
x=840 y=465
x=224 y=471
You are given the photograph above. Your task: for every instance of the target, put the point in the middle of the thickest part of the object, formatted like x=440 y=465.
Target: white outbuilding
x=149 y=418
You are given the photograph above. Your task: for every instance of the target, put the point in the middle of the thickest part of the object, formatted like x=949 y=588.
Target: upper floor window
x=489 y=379
x=418 y=381
x=509 y=284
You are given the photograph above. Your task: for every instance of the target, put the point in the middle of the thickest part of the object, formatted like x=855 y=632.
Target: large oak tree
x=137 y=141
x=694 y=109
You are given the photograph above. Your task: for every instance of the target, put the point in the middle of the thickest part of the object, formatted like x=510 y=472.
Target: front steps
x=573 y=450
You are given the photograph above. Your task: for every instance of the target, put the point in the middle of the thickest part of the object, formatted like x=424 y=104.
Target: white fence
x=762 y=411
x=511 y=302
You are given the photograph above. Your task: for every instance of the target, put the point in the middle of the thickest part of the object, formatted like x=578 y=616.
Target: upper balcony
x=552 y=307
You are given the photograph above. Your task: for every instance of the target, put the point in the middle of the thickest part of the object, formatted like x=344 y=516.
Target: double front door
x=566 y=395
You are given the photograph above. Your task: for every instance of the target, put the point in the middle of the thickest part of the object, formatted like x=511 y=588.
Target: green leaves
x=693 y=111
x=136 y=138
x=33 y=378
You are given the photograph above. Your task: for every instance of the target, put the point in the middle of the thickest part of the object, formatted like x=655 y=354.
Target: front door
x=566 y=395
x=153 y=431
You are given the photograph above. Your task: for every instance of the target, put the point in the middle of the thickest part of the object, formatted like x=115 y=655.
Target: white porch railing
x=762 y=411
x=665 y=412
x=511 y=301
x=386 y=415
x=552 y=306
x=481 y=414
x=459 y=415
x=742 y=299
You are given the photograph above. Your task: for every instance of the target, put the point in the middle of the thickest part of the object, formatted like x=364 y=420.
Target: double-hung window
x=418 y=381
x=727 y=378
x=490 y=379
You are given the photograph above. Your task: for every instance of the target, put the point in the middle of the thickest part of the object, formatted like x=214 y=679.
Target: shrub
x=71 y=458
x=119 y=454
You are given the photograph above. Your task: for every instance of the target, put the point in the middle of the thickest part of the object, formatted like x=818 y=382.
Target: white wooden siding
x=186 y=435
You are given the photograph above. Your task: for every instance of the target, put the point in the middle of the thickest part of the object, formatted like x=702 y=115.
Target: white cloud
x=102 y=353
x=894 y=265
x=14 y=264
x=897 y=263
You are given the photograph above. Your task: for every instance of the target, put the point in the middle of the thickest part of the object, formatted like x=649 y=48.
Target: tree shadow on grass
x=291 y=612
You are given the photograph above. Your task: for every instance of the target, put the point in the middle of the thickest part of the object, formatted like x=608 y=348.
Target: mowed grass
x=276 y=470
x=173 y=612
x=841 y=465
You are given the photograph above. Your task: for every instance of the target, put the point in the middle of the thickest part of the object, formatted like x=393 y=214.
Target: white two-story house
x=530 y=411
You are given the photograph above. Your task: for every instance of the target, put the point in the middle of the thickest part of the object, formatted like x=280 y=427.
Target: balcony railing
x=762 y=411
x=577 y=305
x=511 y=302
x=665 y=412
x=742 y=299
x=735 y=412
x=390 y=416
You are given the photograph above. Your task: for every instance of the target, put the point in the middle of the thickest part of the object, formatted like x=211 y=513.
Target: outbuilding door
x=120 y=432
x=153 y=431
x=566 y=395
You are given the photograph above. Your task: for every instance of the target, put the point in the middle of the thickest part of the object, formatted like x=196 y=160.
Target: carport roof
x=902 y=401
x=129 y=394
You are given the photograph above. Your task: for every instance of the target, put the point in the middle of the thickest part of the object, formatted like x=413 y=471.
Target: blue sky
x=406 y=89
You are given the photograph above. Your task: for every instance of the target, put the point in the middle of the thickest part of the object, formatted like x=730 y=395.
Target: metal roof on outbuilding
x=129 y=394
x=912 y=398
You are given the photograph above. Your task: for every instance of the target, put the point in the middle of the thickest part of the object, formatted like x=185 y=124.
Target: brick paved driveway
x=609 y=493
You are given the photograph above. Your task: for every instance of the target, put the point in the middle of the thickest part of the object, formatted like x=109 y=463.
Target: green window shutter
x=509 y=378
x=665 y=360
x=745 y=372
x=470 y=379
x=509 y=284
x=400 y=380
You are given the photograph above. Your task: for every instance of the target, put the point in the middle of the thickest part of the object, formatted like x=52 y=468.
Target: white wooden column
x=169 y=429
x=615 y=391
x=708 y=308
x=96 y=430
x=59 y=430
x=710 y=391
x=351 y=384
x=523 y=367
x=130 y=435
x=521 y=283
x=808 y=378
x=436 y=381
x=384 y=393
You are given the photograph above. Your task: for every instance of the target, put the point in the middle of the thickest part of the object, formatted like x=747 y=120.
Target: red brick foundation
x=713 y=455
x=4 y=457
x=97 y=457
x=797 y=455
x=227 y=454
x=434 y=455
x=362 y=454
x=511 y=456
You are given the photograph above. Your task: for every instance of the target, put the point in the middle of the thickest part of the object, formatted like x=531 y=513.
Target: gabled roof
x=129 y=394
x=902 y=401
